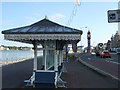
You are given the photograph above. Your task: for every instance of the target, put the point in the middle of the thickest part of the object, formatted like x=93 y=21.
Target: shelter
x=52 y=37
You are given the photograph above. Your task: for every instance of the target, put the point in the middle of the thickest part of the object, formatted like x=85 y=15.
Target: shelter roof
x=42 y=30
x=43 y=26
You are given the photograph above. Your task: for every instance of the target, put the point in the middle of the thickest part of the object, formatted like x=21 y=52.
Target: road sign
x=114 y=16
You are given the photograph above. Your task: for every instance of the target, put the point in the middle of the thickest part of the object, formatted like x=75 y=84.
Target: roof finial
x=46 y=17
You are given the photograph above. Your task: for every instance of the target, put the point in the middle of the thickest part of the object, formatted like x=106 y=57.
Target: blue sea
x=17 y=54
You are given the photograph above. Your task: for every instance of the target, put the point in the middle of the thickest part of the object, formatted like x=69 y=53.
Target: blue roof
x=43 y=26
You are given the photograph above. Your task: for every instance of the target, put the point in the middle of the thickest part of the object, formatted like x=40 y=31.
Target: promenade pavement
x=13 y=75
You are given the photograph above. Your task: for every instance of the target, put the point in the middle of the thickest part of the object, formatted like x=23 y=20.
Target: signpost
x=113 y=16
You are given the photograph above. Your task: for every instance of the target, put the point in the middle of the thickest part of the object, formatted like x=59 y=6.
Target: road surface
x=80 y=76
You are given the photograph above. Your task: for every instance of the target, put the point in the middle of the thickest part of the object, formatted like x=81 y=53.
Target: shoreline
x=7 y=62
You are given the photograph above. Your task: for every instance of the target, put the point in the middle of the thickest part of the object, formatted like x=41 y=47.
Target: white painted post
x=55 y=66
x=60 y=57
x=55 y=61
x=35 y=55
x=43 y=63
x=45 y=55
x=45 y=59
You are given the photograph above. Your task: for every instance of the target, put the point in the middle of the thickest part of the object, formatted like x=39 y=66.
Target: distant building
x=2 y=48
x=26 y=48
x=80 y=49
x=108 y=47
x=115 y=41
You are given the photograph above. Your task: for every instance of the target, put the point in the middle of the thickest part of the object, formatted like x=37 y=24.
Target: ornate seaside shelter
x=53 y=37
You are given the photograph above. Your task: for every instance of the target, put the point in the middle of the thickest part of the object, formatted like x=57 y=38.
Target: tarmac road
x=86 y=56
x=80 y=76
x=108 y=65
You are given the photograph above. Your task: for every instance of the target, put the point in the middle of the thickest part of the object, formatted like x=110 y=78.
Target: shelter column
x=56 y=66
x=35 y=55
x=43 y=60
x=55 y=61
x=45 y=56
x=60 y=57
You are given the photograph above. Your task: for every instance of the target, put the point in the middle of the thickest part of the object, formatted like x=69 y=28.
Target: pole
x=55 y=61
x=60 y=58
x=35 y=56
x=66 y=53
x=45 y=57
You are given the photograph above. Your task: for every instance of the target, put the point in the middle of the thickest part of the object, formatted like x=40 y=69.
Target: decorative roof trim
x=15 y=37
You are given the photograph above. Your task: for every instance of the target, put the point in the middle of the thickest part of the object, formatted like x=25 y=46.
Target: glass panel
x=50 y=59
x=50 y=54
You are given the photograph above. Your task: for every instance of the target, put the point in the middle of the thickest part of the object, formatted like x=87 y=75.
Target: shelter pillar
x=45 y=56
x=56 y=61
x=60 y=57
x=43 y=60
x=35 y=55
x=56 y=65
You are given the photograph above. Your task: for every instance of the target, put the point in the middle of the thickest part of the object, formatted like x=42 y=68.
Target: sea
x=8 y=55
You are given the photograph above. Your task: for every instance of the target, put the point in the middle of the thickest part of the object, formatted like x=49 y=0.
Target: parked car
x=105 y=54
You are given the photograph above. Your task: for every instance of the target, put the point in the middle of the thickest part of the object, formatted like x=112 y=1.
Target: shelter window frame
x=49 y=48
